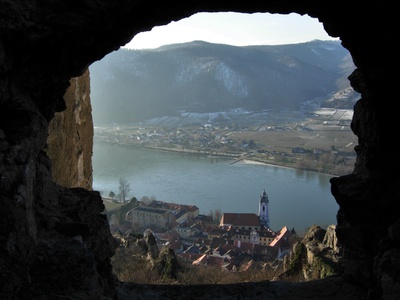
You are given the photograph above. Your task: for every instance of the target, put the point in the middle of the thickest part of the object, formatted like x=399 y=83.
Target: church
x=250 y=227
x=249 y=221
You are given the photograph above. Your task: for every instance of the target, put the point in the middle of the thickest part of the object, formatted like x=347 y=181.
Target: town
x=228 y=241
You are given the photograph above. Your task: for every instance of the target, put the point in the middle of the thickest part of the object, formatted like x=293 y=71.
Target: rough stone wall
x=316 y=256
x=70 y=140
x=55 y=242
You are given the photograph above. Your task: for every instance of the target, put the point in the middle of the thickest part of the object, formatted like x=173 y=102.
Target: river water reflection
x=297 y=198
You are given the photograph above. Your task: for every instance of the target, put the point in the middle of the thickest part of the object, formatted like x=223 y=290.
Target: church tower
x=263 y=212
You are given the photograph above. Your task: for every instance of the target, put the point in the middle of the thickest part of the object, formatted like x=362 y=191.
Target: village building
x=265 y=236
x=262 y=237
x=182 y=212
x=142 y=217
x=162 y=215
x=216 y=233
x=187 y=230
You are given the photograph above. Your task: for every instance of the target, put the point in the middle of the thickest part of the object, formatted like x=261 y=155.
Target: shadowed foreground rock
x=332 y=288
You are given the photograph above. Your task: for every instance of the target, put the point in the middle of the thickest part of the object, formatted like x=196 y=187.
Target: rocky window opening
x=127 y=124
x=56 y=240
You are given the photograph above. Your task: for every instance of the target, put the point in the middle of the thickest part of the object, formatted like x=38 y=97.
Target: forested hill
x=129 y=86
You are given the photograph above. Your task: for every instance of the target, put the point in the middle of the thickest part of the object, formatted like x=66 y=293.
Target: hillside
x=198 y=82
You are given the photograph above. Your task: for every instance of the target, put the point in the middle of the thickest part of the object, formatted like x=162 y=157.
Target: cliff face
x=315 y=257
x=55 y=242
x=70 y=140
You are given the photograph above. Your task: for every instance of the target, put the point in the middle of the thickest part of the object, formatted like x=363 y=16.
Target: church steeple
x=263 y=209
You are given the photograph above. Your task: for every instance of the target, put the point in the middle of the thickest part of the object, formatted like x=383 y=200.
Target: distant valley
x=197 y=83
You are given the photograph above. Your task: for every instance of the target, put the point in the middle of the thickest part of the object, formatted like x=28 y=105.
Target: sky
x=235 y=29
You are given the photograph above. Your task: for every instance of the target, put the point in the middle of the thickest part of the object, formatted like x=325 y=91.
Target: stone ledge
x=330 y=288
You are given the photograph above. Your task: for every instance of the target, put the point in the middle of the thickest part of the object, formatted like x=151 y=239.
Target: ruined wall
x=70 y=140
x=55 y=241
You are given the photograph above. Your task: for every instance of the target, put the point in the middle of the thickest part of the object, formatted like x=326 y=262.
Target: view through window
x=218 y=135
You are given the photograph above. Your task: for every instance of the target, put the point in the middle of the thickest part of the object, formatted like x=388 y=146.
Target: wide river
x=297 y=199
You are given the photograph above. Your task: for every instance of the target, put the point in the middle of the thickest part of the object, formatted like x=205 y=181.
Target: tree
x=123 y=188
x=124 y=209
x=146 y=200
x=111 y=195
x=217 y=215
x=252 y=144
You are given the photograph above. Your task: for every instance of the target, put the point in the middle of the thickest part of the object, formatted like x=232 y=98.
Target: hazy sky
x=234 y=29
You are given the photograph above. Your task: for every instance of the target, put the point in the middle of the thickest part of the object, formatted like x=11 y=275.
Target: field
x=322 y=137
x=111 y=205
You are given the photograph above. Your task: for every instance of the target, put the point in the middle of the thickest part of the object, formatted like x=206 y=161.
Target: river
x=297 y=199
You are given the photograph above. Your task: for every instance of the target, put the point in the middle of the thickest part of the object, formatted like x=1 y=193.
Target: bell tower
x=263 y=212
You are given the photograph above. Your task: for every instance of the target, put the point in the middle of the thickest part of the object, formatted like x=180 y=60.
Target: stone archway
x=55 y=241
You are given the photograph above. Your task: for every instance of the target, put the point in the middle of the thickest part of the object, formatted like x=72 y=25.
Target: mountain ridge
x=174 y=81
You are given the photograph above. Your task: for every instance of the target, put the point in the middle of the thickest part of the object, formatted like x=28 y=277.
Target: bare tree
x=217 y=214
x=123 y=188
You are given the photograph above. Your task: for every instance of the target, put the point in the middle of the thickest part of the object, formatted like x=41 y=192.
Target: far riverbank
x=245 y=157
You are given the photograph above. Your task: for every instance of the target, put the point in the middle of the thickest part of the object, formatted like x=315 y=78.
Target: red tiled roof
x=248 y=265
x=229 y=246
x=190 y=256
x=201 y=260
x=209 y=260
x=283 y=231
x=203 y=241
x=215 y=261
x=193 y=208
x=168 y=236
x=172 y=206
x=217 y=231
x=217 y=242
x=230 y=267
x=244 y=246
x=176 y=245
x=240 y=219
